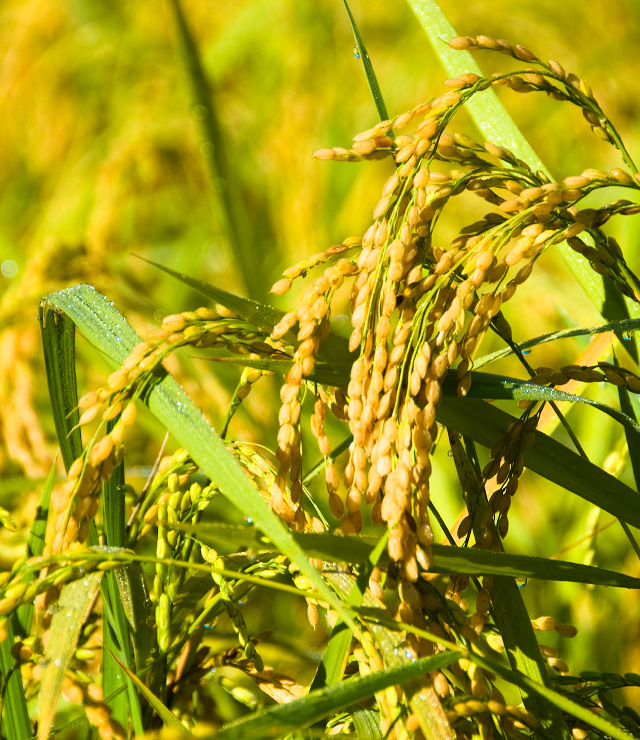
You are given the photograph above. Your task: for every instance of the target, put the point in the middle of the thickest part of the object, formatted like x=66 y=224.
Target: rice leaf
x=303 y=712
x=58 y=343
x=165 y=714
x=633 y=446
x=497 y=126
x=334 y=658
x=332 y=374
x=16 y=722
x=366 y=723
x=499 y=387
x=35 y=547
x=138 y=610
x=622 y=327
x=395 y=650
x=101 y=323
x=507 y=606
x=521 y=646
x=13 y=708
x=115 y=632
x=58 y=338
x=231 y=210
x=72 y=609
x=559 y=700
x=357 y=549
x=483 y=385
x=526 y=684
x=372 y=80
x=35 y=544
x=116 y=629
x=265 y=317
x=486 y=424
x=119 y=692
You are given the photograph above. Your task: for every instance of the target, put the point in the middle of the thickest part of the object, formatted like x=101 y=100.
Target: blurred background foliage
x=102 y=157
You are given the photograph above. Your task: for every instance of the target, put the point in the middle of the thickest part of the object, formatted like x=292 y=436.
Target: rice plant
x=180 y=605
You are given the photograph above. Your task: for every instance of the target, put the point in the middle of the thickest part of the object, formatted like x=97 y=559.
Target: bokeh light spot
x=9 y=268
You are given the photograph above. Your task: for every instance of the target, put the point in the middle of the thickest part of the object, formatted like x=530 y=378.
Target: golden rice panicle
x=502 y=476
x=301 y=268
x=517 y=51
x=98 y=713
x=311 y=316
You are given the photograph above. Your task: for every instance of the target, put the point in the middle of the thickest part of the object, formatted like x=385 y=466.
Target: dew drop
x=521 y=582
x=356 y=52
x=9 y=268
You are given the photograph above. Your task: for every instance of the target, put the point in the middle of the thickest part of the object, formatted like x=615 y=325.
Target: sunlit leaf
x=70 y=613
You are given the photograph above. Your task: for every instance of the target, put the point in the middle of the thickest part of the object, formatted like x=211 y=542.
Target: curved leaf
x=446 y=559
x=497 y=126
x=107 y=329
x=620 y=327
x=71 y=611
x=333 y=348
x=500 y=387
x=303 y=712
x=487 y=424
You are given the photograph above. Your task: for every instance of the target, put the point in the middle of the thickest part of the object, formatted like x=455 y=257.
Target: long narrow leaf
x=507 y=606
x=497 y=126
x=333 y=348
x=334 y=657
x=236 y=223
x=58 y=342
x=394 y=648
x=372 y=80
x=15 y=716
x=512 y=620
x=106 y=328
x=446 y=560
x=568 y=706
x=116 y=641
x=633 y=445
x=300 y=713
x=366 y=724
x=487 y=424
x=35 y=545
x=496 y=387
x=483 y=385
x=165 y=714
x=58 y=338
x=623 y=326
x=73 y=606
